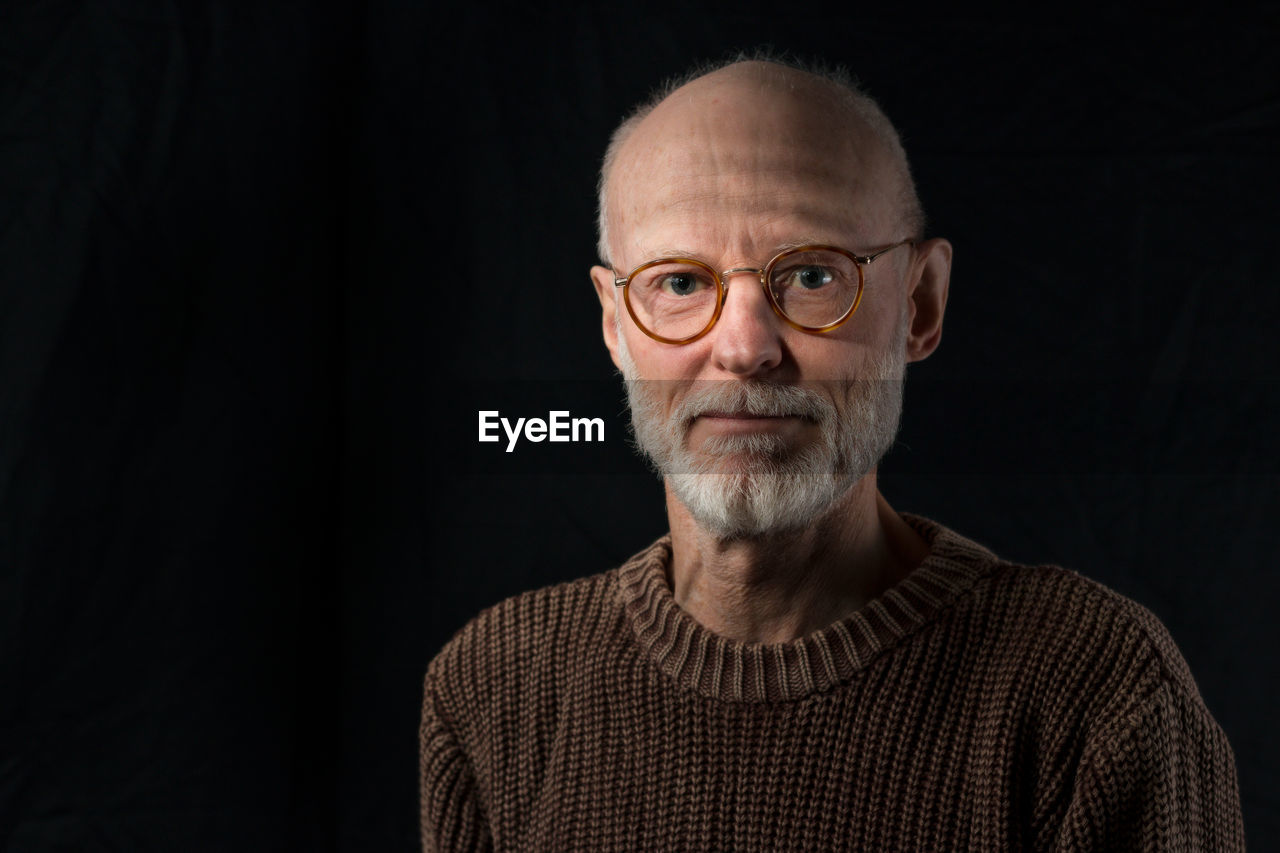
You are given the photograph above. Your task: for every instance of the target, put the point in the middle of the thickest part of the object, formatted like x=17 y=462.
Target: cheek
x=851 y=350
x=885 y=314
x=657 y=361
x=829 y=358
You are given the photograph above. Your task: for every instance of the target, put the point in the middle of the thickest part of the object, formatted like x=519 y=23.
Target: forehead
x=742 y=163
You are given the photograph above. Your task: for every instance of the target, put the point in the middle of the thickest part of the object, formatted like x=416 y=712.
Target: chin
x=763 y=497
x=759 y=454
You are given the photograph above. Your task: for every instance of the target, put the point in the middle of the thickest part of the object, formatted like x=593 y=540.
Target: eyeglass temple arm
x=866 y=259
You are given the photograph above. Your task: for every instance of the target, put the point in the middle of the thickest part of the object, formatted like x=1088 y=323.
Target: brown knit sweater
x=977 y=705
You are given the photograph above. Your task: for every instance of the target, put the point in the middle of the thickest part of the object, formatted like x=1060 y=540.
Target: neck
x=781 y=587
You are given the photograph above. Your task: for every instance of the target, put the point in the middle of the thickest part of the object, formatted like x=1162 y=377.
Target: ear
x=602 y=278
x=929 y=279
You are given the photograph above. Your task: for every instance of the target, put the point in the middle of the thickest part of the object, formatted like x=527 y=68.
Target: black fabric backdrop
x=261 y=265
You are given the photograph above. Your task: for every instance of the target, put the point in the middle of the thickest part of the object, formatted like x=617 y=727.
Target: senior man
x=797 y=666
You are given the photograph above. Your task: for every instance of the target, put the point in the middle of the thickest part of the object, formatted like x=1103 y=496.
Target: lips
x=742 y=415
x=752 y=416
x=743 y=402
x=738 y=422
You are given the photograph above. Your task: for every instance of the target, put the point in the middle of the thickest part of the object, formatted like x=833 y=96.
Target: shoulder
x=1111 y=734
x=519 y=650
x=1055 y=630
x=1075 y=664
x=1058 y=611
x=1126 y=754
x=515 y=631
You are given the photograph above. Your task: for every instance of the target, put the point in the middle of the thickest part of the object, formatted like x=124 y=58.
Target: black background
x=260 y=265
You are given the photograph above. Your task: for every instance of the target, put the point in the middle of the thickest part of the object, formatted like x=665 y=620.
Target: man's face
x=757 y=426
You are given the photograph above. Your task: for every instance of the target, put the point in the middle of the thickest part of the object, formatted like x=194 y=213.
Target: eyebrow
x=669 y=252
x=795 y=244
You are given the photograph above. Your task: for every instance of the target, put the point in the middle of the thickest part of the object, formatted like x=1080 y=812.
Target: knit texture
x=977 y=705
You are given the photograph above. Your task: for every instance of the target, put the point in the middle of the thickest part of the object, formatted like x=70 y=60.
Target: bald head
x=752 y=118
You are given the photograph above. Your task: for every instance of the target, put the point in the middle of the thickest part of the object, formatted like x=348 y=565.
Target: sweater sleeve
x=451 y=816
x=1163 y=778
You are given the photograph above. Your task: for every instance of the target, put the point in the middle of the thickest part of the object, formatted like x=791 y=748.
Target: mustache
x=764 y=399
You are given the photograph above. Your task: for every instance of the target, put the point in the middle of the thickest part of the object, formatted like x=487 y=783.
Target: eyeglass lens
x=677 y=299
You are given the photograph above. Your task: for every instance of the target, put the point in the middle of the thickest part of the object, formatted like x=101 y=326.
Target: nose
x=746 y=339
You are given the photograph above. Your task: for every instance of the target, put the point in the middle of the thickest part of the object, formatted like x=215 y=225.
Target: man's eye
x=809 y=277
x=680 y=284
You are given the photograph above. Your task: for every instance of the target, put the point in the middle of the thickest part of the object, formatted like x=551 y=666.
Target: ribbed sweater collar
x=721 y=668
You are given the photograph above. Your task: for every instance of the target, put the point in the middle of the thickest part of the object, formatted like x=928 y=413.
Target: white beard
x=741 y=486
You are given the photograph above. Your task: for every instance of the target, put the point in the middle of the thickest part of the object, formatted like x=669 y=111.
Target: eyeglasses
x=812 y=288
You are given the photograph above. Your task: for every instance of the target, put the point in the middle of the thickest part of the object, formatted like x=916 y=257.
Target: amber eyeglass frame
x=763 y=273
